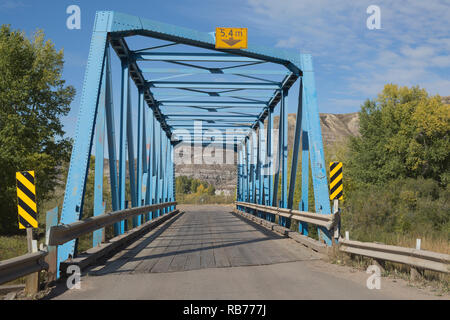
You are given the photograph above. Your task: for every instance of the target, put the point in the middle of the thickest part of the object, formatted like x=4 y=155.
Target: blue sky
x=352 y=63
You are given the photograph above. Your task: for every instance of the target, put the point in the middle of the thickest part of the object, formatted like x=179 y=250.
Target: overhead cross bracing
x=186 y=90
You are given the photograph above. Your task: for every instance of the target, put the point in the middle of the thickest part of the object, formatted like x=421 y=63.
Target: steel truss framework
x=260 y=80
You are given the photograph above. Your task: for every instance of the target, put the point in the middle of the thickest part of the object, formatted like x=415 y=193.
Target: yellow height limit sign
x=231 y=38
x=336 y=188
x=26 y=199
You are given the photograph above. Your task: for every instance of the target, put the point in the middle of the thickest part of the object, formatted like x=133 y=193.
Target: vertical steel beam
x=295 y=151
x=247 y=168
x=159 y=166
x=164 y=171
x=319 y=176
x=284 y=148
x=255 y=165
x=171 y=176
x=250 y=168
x=99 y=207
x=111 y=132
x=140 y=151
x=149 y=197
x=269 y=161
x=144 y=161
x=303 y=205
x=155 y=167
x=238 y=175
x=283 y=154
x=279 y=159
x=261 y=158
x=130 y=144
x=119 y=227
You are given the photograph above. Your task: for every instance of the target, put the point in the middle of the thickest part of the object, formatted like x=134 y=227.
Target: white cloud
x=412 y=48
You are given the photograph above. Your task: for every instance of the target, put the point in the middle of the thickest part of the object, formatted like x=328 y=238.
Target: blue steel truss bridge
x=149 y=87
x=185 y=91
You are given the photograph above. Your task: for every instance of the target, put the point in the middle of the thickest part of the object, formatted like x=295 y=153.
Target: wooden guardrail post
x=32 y=281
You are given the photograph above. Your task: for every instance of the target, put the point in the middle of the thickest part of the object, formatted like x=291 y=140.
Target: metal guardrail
x=328 y=221
x=413 y=257
x=66 y=232
x=21 y=266
x=26 y=264
x=416 y=258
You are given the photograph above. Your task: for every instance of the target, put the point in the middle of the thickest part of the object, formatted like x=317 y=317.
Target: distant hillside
x=335 y=127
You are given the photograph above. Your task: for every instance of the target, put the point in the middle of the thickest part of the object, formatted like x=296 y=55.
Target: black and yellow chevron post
x=336 y=188
x=26 y=199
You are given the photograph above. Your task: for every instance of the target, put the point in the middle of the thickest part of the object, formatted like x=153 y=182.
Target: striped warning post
x=336 y=188
x=26 y=199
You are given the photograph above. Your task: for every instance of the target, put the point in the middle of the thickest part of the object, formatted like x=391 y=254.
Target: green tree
x=195 y=183
x=182 y=185
x=405 y=133
x=33 y=97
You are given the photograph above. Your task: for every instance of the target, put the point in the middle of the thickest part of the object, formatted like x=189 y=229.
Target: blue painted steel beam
x=131 y=154
x=254 y=165
x=262 y=96
x=261 y=158
x=79 y=161
x=247 y=169
x=269 y=160
x=99 y=207
x=303 y=205
x=190 y=56
x=237 y=126
x=214 y=85
x=283 y=153
x=234 y=71
x=209 y=115
x=125 y=25
x=119 y=227
x=111 y=132
x=121 y=48
x=316 y=154
x=140 y=151
x=295 y=151
x=213 y=103
x=217 y=120
x=149 y=198
x=278 y=161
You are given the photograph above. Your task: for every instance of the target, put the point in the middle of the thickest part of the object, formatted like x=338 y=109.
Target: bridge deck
x=208 y=253
x=207 y=237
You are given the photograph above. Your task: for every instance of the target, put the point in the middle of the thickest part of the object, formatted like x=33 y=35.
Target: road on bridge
x=207 y=252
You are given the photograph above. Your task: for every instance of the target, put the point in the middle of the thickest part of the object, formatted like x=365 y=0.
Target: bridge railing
x=26 y=264
x=415 y=258
x=63 y=233
x=328 y=221
x=423 y=259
